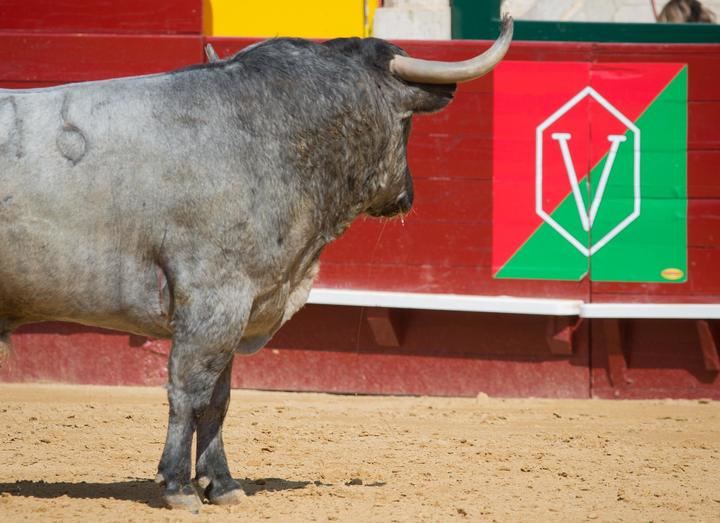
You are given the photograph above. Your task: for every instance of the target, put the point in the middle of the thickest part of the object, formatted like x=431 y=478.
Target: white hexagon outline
x=587 y=91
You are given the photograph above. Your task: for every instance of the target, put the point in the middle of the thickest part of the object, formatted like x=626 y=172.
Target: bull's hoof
x=231 y=497
x=184 y=498
x=228 y=492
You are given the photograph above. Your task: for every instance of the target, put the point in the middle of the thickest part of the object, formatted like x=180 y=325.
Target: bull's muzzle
x=405 y=201
x=401 y=205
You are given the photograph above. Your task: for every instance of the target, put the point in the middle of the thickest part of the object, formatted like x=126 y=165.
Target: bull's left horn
x=212 y=56
x=435 y=72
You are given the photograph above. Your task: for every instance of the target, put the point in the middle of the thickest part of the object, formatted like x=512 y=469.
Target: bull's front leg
x=212 y=471
x=207 y=327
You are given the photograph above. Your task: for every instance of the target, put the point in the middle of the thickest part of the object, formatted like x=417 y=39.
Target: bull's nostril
x=405 y=203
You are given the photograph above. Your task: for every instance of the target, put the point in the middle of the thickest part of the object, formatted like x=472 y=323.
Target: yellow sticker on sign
x=672 y=274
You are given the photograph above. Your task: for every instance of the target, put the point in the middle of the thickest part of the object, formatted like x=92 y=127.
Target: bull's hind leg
x=213 y=474
x=207 y=327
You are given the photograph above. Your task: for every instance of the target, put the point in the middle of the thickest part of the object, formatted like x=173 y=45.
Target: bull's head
x=421 y=86
x=408 y=85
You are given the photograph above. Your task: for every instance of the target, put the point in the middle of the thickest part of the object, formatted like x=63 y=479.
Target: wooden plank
x=66 y=353
x=379 y=242
x=663 y=358
x=703 y=128
x=703 y=180
x=708 y=345
x=457 y=200
x=702 y=60
x=92 y=16
x=551 y=51
x=390 y=372
x=653 y=52
x=69 y=58
x=561 y=334
x=467 y=114
x=450 y=155
x=443 y=352
x=386 y=325
x=704 y=223
x=614 y=337
x=440 y=279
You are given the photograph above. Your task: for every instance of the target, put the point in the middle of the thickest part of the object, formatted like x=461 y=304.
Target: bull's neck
x=337 y=211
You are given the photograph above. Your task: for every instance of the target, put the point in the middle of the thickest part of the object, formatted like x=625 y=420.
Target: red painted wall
x=443 y=246
x=102 y=16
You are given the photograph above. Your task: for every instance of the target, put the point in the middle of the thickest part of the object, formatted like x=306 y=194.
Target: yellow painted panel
x=305 y=18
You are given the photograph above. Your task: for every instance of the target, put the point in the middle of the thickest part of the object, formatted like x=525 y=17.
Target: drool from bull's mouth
x=195 y=175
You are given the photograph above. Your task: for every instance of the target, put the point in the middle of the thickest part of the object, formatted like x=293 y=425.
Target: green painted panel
x=655 y=243
x=613 y=32
x=480 y=20
x=653 y=247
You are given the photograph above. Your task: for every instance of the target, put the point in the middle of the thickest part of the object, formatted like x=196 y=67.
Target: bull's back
x=98 y=181
x=79 y=168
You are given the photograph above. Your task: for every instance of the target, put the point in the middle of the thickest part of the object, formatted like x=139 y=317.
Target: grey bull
x=194 y=205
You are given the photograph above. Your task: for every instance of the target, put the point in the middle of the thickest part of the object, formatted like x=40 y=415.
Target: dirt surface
x=88 y=453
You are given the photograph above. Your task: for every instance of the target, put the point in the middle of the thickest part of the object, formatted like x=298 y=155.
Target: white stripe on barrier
x=445 y=302
x=651 y=310
x=510 y=305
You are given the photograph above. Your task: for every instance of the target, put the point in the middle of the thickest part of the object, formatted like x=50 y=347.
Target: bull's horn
x=436 y=72
x=211 y=54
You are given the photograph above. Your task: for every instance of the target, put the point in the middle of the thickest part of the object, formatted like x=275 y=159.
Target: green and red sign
x=589 y=171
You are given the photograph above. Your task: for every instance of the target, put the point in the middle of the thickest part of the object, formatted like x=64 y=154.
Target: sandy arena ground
x=88 y=453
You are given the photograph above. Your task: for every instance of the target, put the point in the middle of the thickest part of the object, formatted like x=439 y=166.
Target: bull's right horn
x=437 y=72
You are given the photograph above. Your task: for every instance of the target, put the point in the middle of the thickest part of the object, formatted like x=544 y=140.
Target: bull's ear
x=427 y=98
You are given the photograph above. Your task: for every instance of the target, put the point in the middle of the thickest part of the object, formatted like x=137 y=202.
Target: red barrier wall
x=93 y=16
x=443 y=246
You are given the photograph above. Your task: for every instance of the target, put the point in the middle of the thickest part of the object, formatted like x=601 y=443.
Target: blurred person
x=684 y=11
